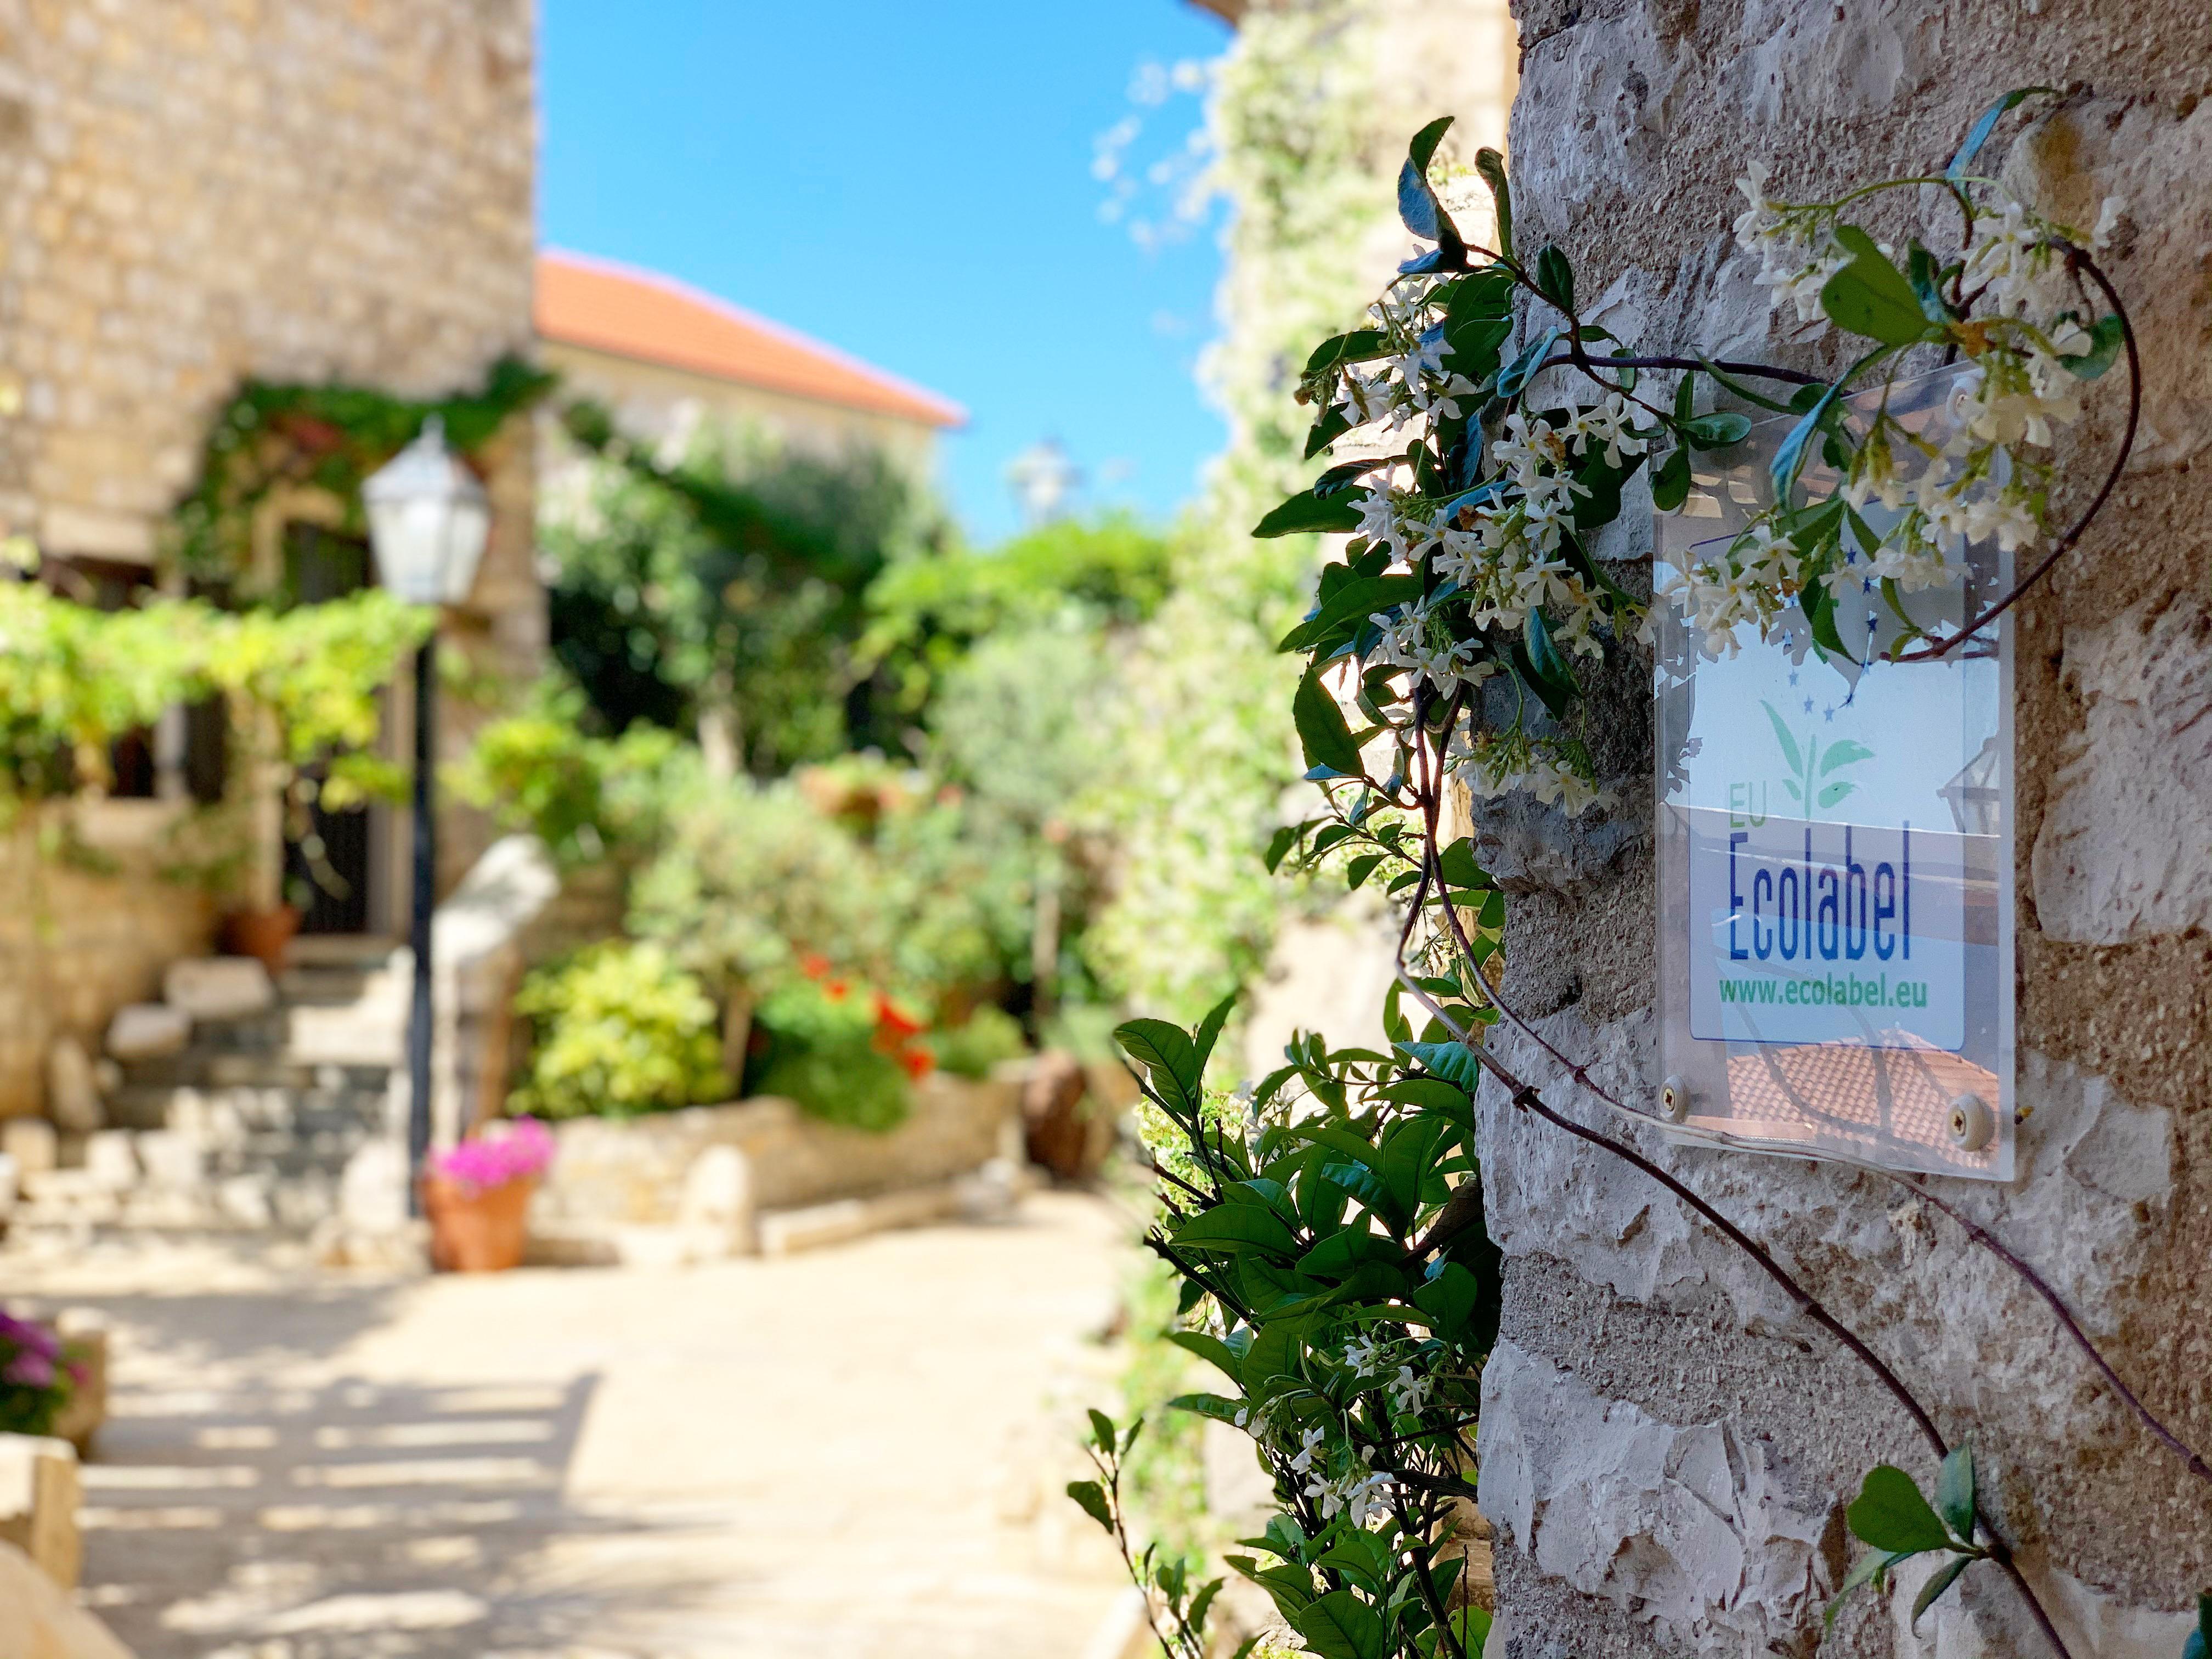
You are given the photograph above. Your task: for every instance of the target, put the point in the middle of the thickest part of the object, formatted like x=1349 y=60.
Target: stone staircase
x=254 y=1125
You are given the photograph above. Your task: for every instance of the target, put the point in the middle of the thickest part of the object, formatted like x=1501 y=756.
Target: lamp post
x=427 y=521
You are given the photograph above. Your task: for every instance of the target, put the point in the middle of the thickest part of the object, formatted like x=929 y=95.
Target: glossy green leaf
x=2106 y=336
x=1890 y=1514
x=1555 y=279
x=1670 y=482
x=1278 y=846
x=1165 y=1052
x=1869 y=295
x=1339 y=1626
x=1869 y=1568
x=1718 y=430
x=1943 y=1577
x=1102 y=1431
x=1306 y=512
x=1092 y=1497
x=1321 y=729
x=1979 y=134
x=1491 y=166
x=2199 y=1644
x=1203 y=1039
x=1954 y=1482
x=1209 y=1348
x=1359 y=346
x=1230 y=1229
x=1217 y=1407
x=1449 y=1061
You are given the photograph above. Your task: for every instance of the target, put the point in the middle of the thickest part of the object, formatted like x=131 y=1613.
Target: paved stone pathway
x=857 y=1452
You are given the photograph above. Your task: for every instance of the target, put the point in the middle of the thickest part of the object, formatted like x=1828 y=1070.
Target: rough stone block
x=111 y=1161
x=244 y=1200
x=85 y=1333
x=39 y=1621
x=148 y=1031
x=72 y=1089
x=717 y=1207
x=171 y=1159
x=39 y=1497
x=218 y=988
x=32 y=1143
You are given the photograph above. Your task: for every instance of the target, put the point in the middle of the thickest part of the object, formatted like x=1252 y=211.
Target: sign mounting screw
x=1973 y=1125
x=1675 y=1100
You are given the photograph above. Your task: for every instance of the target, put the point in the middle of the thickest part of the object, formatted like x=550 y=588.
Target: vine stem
x=2079 y=260
x=1976 y=1233
x=1526 y=1097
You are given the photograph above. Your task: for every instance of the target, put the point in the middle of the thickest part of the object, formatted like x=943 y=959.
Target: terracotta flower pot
x=476 y=1230
x=266 y=934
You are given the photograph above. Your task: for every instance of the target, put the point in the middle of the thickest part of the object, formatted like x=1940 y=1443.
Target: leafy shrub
x=620 y=1030
x=586 y=798
x=840 y=1052
x=972 y=1048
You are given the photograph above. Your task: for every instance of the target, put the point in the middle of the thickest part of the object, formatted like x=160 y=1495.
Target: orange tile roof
x=614 y=308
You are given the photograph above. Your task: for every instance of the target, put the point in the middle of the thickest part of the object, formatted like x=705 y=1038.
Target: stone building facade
x=193 y=192
x=1667 y=1444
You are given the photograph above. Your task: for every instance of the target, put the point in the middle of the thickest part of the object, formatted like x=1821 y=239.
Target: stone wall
x=83 y=933
x=193 y=192
x=1666 y=1445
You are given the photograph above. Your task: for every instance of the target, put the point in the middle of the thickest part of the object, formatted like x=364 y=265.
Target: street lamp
x=427 y=521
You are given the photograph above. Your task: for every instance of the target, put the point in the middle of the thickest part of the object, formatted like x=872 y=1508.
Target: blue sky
x=914 y=183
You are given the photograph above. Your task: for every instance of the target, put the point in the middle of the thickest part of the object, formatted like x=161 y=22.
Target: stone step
x=197 y=1069
x=216 y=1111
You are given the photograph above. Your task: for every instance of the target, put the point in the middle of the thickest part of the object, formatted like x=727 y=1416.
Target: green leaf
x=1789 y=459
x=1555 y=279
x=1954 y=1485
x=1307 y=511
x=1339 y=1626
x=1552 y=669
x=1222 y=1410
x=1920 y=270
x=1233 y=1228
x=1819 y=605
x=1359 y=346
x=1327 y=739
x=1944 y=1578
x=1449 y=1061
x=1352 y=601
x=1718 y=429
x=1102 y=1431
x=1491 y=166
x=2106 y=335
x=1686 y=396
x=1890 y=1514
x=1418 y=206
x=1456 y=864
x=1869 y=1568
x=1782 y=735
x=1474 y=1624
x=1449 y=1299
x=1979 y=134
x=1871 y=296
x=1356 y=871
x=1836 y=792
x=1334 y=422
x=1670 y=483
x=1209 y=1348
x=1208 y=1034
x=1165 y=1052
x=1279 y=845
x=2199 y=1644
x=1196 y=1617
x=1092 y=1497
x=1530 y=358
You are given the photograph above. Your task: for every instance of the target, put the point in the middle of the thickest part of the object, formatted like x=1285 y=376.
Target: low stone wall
x=721 y=1167
x=76 y=945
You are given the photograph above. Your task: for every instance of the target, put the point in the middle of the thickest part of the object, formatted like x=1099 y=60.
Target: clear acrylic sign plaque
x=1835 y=859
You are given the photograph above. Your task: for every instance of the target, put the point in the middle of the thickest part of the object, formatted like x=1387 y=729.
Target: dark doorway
x=326 y=869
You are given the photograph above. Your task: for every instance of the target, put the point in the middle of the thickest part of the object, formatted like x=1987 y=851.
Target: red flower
x=919 y=1062
x=814 y=966
x=891 y=1022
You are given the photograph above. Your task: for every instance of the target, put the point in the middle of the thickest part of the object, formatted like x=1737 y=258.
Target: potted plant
x=38 y=1376
x=476 y=1196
